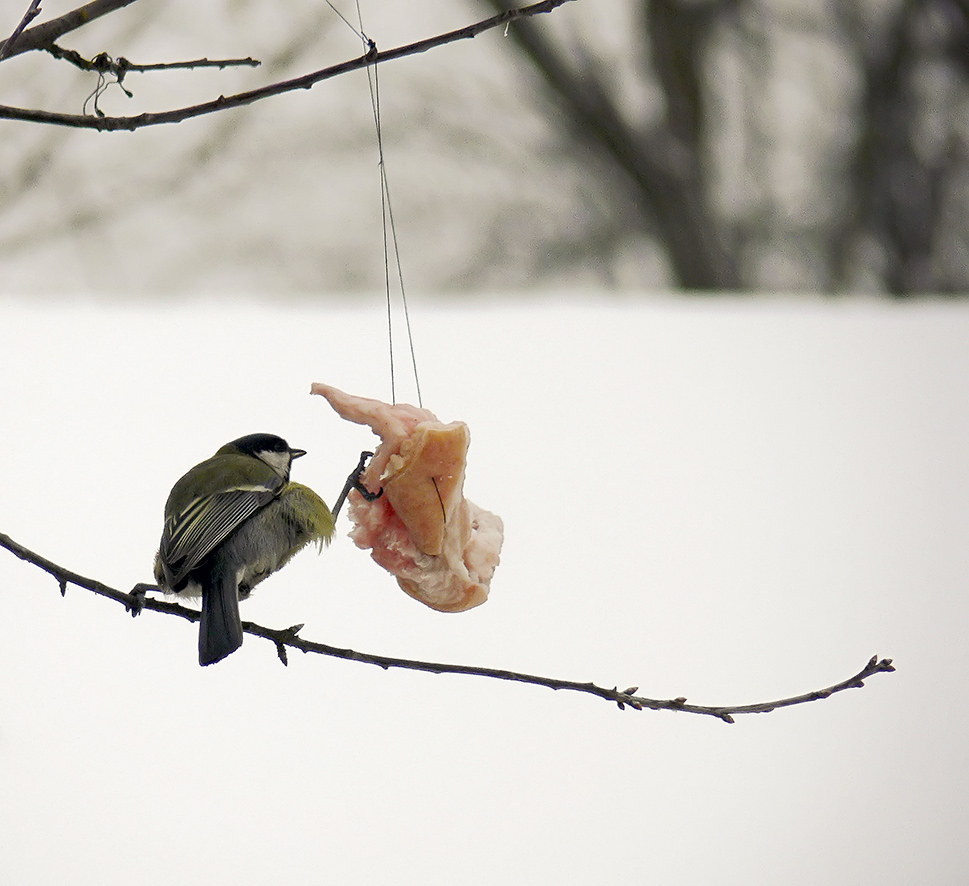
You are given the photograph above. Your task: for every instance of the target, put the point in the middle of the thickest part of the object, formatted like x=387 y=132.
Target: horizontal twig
x=372 y=57
x=102 y=63
x=195 y=63
x=288 y=638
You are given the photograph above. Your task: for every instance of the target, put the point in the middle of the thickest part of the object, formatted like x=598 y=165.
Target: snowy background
x=733 y=501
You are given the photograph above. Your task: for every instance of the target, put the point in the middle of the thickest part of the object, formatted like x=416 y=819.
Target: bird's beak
x=296 y=453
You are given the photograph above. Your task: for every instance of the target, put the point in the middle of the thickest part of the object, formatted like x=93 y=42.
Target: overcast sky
x=731 y=500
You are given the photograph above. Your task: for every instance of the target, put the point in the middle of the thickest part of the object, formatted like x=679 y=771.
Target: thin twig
x=195 y=63
x=102 y=63
x=111 y=124
x=8 y=45
x=288 y=638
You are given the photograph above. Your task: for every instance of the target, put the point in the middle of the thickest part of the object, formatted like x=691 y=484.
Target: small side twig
x=288 y=638
x=102 y=63
x=248 y=61
x=8 y=45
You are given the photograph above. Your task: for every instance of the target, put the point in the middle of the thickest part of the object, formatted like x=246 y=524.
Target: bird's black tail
x=220 y=628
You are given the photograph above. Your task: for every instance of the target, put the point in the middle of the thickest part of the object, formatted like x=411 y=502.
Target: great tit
x=230 y=522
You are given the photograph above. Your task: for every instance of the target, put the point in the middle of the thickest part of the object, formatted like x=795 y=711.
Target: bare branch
x=104 y=64
x=32 y=12
x=42 y=35
x=372 y=57
x=288 y=638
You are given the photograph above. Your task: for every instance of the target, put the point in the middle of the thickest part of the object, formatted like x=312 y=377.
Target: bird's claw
x=138 y=594
x=353 y=482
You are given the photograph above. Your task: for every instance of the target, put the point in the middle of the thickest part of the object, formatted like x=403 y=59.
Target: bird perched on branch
x=230 y=522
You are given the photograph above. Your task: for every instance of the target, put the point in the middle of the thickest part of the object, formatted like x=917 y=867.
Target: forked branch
x=42 y=35
x=6 y=48
x=288 y=638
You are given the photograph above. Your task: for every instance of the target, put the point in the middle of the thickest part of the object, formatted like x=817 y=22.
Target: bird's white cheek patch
x=278 y=461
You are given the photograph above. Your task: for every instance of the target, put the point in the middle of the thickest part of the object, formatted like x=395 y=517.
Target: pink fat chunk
x=442 y=549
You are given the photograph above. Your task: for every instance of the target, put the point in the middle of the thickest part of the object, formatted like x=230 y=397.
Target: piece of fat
x=442 y=549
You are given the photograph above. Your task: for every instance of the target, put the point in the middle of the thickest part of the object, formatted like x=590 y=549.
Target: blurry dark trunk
x=664 y=168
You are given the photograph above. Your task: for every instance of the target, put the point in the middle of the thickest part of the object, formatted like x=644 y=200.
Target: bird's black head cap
x=253 y=443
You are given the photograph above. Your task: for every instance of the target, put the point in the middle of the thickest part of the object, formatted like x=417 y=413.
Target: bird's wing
x=193 y=530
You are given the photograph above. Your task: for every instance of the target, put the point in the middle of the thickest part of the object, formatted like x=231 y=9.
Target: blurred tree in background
x=712 y=145
x=768 y=144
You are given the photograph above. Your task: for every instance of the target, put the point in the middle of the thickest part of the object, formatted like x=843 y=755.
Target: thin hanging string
x=386 y=215
x=346 y=21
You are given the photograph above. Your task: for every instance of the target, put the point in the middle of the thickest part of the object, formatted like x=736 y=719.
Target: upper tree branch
x=287 y=638
x=304 y=82
x=42 y=35
x=32 y=12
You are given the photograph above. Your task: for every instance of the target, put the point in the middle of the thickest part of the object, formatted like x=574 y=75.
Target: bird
x=230 y=522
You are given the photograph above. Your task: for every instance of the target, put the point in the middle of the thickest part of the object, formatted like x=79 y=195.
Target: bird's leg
x=138 y=594
x=353 y=482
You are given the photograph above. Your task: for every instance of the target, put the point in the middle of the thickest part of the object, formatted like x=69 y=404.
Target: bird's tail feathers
x=220 y=628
